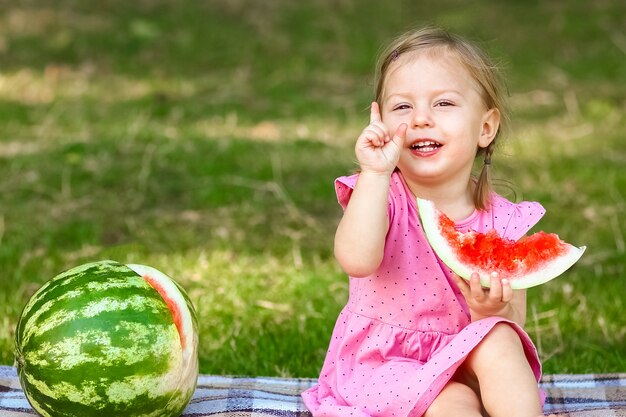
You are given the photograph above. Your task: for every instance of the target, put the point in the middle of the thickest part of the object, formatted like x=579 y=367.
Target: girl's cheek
x=391 y=122
x=392 y=125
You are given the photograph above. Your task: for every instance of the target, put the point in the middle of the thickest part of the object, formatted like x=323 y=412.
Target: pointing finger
x=375 y=113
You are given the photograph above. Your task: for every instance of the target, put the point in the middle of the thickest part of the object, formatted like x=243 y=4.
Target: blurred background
x=203 y=138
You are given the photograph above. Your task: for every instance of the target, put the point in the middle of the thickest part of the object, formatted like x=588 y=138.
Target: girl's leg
x=455 y=400
x=506 y=382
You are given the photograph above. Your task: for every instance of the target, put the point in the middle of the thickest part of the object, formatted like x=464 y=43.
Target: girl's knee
x=503 y=334
x=501 y=340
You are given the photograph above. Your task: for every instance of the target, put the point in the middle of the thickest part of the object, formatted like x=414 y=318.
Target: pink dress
x=406 y=328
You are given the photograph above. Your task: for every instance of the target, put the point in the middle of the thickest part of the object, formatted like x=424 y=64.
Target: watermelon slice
x=530 y=261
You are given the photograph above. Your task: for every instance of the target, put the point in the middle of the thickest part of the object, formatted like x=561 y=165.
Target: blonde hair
x=478 y=65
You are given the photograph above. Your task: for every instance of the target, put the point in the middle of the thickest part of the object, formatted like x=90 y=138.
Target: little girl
x=414 y=338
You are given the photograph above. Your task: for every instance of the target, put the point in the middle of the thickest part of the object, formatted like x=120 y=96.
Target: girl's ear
x=489 y=127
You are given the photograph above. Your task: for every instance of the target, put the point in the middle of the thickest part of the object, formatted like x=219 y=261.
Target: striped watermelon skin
x=99 y=340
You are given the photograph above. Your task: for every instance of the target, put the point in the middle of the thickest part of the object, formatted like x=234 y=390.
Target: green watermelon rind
x=144 y=351
x=429 y=216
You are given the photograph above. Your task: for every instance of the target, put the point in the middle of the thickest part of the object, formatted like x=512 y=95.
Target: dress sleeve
x=514 y=220
x=344 y=187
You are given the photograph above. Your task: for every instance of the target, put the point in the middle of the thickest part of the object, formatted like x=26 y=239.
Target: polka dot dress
x=406 y=328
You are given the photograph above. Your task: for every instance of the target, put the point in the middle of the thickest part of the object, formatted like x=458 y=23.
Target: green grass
x=202 y=138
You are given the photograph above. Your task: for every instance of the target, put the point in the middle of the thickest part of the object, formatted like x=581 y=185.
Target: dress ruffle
x=383 y=370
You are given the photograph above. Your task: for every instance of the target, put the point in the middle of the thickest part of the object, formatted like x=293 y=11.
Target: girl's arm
x=360 y=236
x=518 y=307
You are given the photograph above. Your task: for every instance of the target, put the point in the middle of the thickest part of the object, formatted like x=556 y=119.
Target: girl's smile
x=425 y=147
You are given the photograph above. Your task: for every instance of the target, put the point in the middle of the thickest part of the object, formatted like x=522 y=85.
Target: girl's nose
x=421 y=117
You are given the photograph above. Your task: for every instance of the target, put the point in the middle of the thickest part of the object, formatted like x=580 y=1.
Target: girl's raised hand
x=375 y=149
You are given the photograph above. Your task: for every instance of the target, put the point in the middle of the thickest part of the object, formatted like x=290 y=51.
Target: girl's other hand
x=487 y=302
x=375 y=149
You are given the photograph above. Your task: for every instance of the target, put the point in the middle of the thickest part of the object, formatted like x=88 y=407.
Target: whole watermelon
x=108 y=339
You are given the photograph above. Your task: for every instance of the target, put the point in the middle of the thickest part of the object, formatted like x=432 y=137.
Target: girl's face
x=447 y=118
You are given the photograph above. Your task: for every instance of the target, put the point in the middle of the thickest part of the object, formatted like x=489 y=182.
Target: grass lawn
x=203 y=138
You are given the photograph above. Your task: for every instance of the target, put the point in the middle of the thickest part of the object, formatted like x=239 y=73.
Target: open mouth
x=425 y=145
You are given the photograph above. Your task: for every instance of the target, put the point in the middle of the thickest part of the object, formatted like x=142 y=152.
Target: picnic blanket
x=589 y=395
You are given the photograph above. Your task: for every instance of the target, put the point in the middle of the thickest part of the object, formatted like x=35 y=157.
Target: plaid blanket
x=599 y=395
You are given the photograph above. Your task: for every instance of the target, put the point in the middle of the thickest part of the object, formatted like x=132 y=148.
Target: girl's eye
x=401 y=107
x=444 y=103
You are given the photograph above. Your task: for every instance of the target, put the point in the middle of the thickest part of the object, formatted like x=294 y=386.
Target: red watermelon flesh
x=171 y=304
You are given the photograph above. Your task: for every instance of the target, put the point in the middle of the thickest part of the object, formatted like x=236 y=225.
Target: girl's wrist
x=507 y=312
x=374 y=180
x=380 y=175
